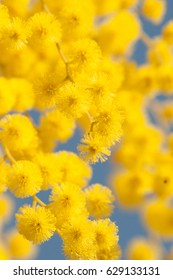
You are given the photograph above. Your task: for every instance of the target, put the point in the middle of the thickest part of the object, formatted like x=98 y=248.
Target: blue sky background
x=128 y=222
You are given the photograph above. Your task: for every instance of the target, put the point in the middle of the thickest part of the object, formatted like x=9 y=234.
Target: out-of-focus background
x=129 y=222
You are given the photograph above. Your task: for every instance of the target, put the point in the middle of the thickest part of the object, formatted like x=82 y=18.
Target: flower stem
x=9 y=155
x=64 y=59
x=146 y=39
x=39 y=201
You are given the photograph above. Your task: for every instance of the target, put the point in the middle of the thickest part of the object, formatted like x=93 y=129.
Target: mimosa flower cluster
x=51 y=64
x=69 y=63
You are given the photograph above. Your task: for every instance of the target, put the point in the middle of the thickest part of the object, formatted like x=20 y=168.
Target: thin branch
x=39 y=201
x=64 y=59
x=145 y=39
x=9 y=155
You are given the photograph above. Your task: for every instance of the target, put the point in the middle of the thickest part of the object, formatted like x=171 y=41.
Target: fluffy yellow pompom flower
x=45 y=27
x=4 y=168
x=114 y=72
x=67 y=201
x=47 y=164
x=6 y=96
x=105 y=234
x=168 y=32
x=71 y=169
x=56 y=126
x=19 y=247
x=16 y=34
x=160 y=53
x=92 y=150
x=116 y=40
x=78 y=239
x=23 y=93
x=132 y=186
x=101 y=90
x=154 y=10
x=23 y=61
x=162 y=183
x=17 y=132
x=72 y=100
x=136 y=142
x=24 y=179
x=112 y=253
x=84 y=55
x=158 y=217
x=67 y=196
x=36 y=224
x=46 y=91
x=107 y=125
x=143 y=249
x=76 y=20
x=99 y=201
x=17 y=7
